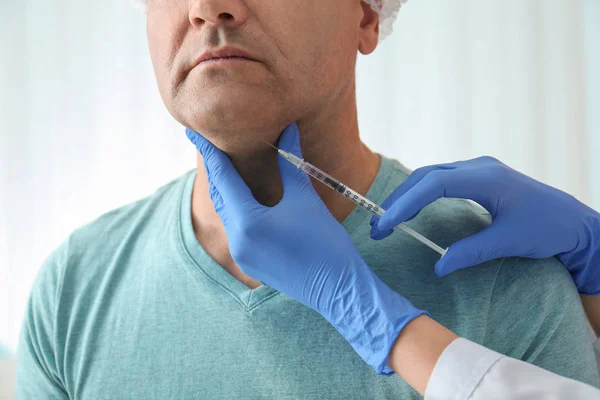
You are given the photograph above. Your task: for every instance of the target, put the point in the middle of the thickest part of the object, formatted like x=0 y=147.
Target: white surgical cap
x=387 y=10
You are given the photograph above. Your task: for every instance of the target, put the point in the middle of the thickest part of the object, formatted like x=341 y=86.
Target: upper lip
x=223 y=52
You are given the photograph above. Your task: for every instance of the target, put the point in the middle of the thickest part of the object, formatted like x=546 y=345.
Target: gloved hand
x=530 y=219
x=298 y=248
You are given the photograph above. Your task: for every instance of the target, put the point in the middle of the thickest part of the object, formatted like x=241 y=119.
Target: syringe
x=352 y=195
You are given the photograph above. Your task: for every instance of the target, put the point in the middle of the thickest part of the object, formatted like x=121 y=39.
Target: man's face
x=283 y=60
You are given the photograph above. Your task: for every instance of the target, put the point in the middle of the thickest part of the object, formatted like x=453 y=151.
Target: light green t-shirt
x=132 y=307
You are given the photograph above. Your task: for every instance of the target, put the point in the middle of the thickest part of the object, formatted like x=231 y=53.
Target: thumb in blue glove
x=298 y=248
x=530 y=219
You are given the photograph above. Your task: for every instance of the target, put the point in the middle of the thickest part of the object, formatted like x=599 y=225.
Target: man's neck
x=329 y=140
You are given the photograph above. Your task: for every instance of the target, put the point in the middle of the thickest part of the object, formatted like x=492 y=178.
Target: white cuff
x=459 y=370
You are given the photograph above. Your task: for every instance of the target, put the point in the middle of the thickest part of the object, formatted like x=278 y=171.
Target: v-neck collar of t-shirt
x=200 y=261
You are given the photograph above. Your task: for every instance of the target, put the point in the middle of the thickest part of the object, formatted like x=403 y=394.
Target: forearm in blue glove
x=530 y=219
x=298 y=248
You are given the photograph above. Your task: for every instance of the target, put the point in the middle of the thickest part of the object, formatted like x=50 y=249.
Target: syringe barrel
x=339 y=187
x=323 y=177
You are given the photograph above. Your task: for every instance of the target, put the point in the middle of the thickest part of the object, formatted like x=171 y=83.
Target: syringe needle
x=271 y=145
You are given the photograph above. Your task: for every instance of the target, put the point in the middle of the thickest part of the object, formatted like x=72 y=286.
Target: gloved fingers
x=377 y=234
x=221 y=173
x=489 y=244
x=465 y=181
x=202 y=144
x=424 y=192
x=414 y=178
x=464 y=168
x=290 y=140
x=292 y=177
x=218 y=204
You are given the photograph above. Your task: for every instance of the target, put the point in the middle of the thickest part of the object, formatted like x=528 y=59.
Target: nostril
x=226 y=16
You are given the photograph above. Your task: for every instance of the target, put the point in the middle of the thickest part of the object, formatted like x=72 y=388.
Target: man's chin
x=234 y=110
x=244 y=76
x=235 y=121
x=238 y=140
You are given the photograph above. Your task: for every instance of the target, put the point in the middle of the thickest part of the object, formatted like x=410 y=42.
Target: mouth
x=225 y=54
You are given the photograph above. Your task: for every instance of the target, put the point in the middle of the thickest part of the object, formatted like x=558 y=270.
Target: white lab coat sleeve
x=468 y=371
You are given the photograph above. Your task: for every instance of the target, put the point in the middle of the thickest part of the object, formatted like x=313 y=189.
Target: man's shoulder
x=536 y=316
x=456 y=219
x=93 y=246
x=450 y=220
x=121 y=222
x=519 y=283
x=533 y=309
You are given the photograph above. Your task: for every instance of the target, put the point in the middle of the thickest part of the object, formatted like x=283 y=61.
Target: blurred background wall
x=83 y=130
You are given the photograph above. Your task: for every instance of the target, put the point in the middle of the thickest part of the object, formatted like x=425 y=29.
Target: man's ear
x=369 y=30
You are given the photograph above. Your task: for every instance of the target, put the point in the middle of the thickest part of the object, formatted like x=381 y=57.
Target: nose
x=230 y=13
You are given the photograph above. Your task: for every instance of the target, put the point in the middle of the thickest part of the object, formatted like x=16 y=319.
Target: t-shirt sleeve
x=37 y=371
x=536 y=316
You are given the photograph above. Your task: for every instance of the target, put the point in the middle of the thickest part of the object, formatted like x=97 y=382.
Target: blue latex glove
x=298 y=248
x=530 y=219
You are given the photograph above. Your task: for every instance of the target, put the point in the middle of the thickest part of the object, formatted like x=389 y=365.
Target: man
x=147 y=303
